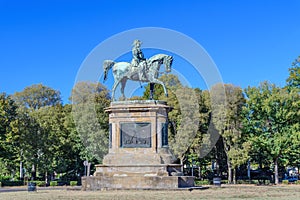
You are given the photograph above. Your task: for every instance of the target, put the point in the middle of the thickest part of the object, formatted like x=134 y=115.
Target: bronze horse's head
x=167 y=61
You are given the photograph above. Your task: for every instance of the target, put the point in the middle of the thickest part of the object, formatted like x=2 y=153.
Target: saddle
x=141 y=68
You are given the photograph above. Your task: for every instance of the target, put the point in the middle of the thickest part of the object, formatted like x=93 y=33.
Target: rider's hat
x=135 y=42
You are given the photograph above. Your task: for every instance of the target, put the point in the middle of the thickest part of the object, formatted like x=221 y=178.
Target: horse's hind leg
x=123 y=83
x=151 y=90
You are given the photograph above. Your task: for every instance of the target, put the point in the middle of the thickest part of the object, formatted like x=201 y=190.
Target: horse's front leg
x=160 y=82
x=114 y=89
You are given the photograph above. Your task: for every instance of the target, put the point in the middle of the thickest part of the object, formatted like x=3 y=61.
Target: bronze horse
x=123 y=71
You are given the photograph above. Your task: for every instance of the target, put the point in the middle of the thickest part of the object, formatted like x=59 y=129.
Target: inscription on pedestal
x=135 y=135
x=164 y=135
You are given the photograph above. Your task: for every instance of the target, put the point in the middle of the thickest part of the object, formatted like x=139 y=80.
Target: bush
x=224 y=181
x=264 y=182
x=40 y=183
x=53 y=183
x=73 y=183
x=5 y=178
x=297 y=182
x=12 y=183
x=285 y=181
x=202 y=182
x=247 y=181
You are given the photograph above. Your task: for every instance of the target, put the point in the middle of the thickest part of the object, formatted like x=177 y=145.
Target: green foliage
x=247 y=182
x=202 y=182
x=227 y=104
x=285 y=182
x=293 y=81
x=41 y=133
x=37 y=96
x=203 y=142
x=27 y=137
x=297 y=182
x=12 y=183
x=8 y=120
x=4 y=169
x=8 y=113
x=91 y=121
x=187 y=121
x=60 y=145
x=37 y=130
x=73 y=183
x=272 y=119
x=53 y=183
x=171 y=82
x=5 y=178
x=40 y=183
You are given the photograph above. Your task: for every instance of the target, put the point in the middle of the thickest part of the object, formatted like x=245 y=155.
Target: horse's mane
x=157 y=57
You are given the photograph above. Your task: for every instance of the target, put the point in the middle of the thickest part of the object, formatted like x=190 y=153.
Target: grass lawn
x=281 y=192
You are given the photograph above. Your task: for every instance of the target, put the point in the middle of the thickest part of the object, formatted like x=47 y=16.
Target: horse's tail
x=107 y=65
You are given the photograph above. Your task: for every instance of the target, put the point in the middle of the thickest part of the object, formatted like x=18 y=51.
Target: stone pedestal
x=139 y=157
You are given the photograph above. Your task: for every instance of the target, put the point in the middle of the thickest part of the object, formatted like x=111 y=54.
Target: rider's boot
x=141 y=77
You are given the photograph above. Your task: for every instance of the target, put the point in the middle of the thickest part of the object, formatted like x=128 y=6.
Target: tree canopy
x=37 y=96
x=225 y=126
x=272 y=120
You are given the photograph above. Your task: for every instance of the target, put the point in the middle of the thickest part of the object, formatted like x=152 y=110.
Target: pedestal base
x=161 y=176
x=138 y=170
x=138 y=157
x=136 y=182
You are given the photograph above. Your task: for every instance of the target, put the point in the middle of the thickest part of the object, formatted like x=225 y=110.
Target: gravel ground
x=281 y=192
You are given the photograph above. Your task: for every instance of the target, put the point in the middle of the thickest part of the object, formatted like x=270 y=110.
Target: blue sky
x=47 y=41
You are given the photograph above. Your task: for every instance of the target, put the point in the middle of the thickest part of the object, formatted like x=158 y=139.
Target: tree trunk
x=21 y=171
x=229 y=173
x=234 y=175
x=33 y=172
x=13 y=174
x=46 y=177
x=276 y=171
x=249 y=170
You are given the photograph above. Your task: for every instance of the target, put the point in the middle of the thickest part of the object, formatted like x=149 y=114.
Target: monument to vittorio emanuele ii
x=138 y=156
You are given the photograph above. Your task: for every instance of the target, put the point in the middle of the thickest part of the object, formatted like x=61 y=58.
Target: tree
x=185 y=130
x=272 y=120
x=89 y=101
x=8 y=116
x=26 y=138
x=30 y=100
x=18 y=134
x=37 y=96
x=73 y=142
x=59 y=152
x=187 y=122
x=293 y=81
x=227 y=103
x=171 y=82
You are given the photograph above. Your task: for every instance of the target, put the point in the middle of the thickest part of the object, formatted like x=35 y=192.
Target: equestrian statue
x=140 y=69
